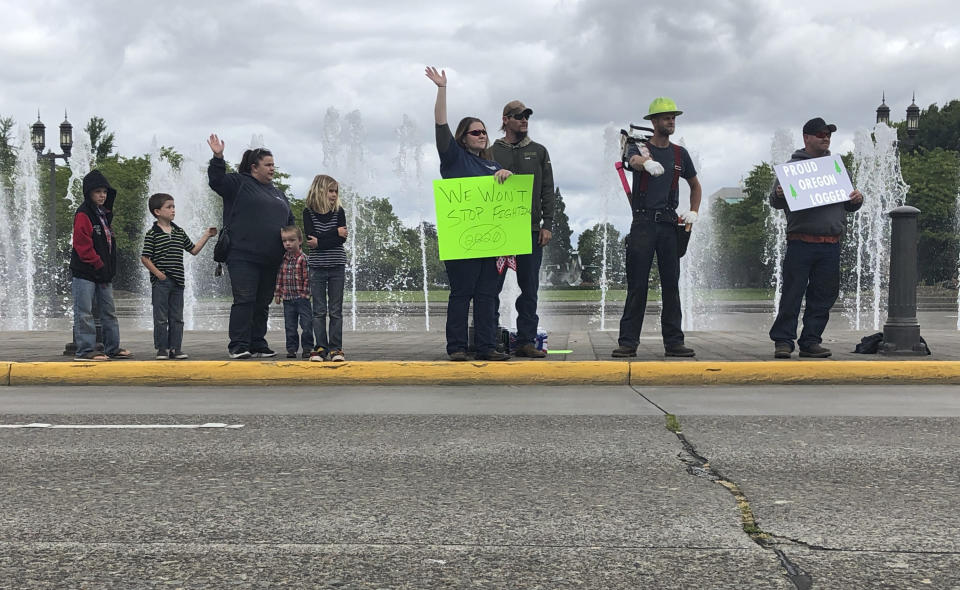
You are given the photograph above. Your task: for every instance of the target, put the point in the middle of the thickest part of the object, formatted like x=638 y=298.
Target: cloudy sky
x=175 y=71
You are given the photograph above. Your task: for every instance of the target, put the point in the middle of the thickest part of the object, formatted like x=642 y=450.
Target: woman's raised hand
x=439 y=78
x=216 y=144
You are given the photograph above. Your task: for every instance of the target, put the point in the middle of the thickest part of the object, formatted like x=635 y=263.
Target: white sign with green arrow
x=814 y=183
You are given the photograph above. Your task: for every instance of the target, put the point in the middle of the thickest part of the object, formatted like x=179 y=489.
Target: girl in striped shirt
x=325 y=224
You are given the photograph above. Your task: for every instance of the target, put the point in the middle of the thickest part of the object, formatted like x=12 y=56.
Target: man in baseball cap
x=516 y=152
x=811 y=265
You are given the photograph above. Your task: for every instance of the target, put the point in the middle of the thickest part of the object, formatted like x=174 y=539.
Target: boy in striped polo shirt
x=162 y=254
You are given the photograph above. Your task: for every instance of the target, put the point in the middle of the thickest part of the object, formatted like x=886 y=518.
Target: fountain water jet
x=876 y=174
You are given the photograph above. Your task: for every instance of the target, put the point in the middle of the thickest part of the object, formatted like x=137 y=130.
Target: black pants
x=646 y=239
x=811 y=270
x=476 y=279
x=253 y=285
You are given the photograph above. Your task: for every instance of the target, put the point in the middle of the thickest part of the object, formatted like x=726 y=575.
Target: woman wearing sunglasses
x=462 y=154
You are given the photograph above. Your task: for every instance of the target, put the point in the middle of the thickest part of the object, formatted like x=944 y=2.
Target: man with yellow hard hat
x=654 y=199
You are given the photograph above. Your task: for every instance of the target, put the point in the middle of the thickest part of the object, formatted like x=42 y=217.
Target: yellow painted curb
x=307 y=373
x=795 y=372
x=480 y=373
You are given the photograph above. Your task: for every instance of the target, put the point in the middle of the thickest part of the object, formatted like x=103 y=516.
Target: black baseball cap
x=816 y=125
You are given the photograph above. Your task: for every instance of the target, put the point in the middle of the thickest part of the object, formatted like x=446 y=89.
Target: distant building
x=730 y=195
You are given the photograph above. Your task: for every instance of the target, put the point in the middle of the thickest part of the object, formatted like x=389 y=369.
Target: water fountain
x=412 y=189
x=609 y=192
x=876 y=173
x=775 y=224
x=23 y=257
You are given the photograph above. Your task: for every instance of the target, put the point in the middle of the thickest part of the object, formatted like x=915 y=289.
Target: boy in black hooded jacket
x=93 y=262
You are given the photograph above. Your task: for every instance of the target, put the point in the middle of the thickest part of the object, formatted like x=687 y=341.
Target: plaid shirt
x=293 y=282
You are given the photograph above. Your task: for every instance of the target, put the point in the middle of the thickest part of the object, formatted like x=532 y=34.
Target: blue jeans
x=326 y=288
x=811 y=270
x=647 y=238
x=297 y=311
x=167 y=297
x=528 y=279
x=84 y=330
x=253 y=285
x=472 y=279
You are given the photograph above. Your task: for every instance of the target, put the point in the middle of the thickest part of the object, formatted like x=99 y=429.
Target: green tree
x=590 y=247
x=740 y=230
x=8 y=150
x=557 y=256
x=933 y=177
x=101 y=141
x=937 y=127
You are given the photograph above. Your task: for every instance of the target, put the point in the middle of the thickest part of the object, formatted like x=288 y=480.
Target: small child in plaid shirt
x=293 y=289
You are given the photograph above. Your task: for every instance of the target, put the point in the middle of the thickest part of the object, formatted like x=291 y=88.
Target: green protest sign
x=479 y=217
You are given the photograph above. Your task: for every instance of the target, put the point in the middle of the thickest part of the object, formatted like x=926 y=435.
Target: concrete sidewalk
x=393 y=358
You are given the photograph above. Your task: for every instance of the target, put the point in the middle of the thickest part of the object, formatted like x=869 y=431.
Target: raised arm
x=222 y=183
x=440 y=108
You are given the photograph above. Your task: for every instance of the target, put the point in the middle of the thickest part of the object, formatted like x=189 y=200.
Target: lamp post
x=913 y=121
x=38 y=139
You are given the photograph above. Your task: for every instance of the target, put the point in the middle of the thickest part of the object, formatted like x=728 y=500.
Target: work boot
x=530 y=350
x=621 y=352
x=459 y=356
x=493 y=355
x=815 y=351
x=678 y=350
x=782 y=350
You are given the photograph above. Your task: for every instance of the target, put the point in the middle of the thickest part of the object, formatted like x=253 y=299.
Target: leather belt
x=657 y=215
x=813 y=239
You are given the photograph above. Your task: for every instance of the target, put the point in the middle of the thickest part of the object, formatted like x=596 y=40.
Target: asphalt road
x=789 y=487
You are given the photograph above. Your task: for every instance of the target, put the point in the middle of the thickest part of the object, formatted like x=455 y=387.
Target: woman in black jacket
x=254 y=210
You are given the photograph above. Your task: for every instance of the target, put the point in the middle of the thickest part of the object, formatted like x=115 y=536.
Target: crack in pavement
x=699 y=466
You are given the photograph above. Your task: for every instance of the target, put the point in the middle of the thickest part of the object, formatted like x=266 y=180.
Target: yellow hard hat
x=661 y=105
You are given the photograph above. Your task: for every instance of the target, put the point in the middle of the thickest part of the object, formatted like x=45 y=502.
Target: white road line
x=123 y=426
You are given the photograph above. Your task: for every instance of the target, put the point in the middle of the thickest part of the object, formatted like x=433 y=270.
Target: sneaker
x=262 y=353
x=318 y=354
x=678 y=350
x=178 y=355
x=458 y=356
x=162 y=354
x=305 y=355
x=493 y=355
x=337 y=356
x=782 y=350
x=530 y=351
x=815 y=351
x=623 y=352
x=291 y=354
x=240 y=354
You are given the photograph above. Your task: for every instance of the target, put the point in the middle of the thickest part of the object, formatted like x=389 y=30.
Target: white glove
x=688 y=216
x=653 y=167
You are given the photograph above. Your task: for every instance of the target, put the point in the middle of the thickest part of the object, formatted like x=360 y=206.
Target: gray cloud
x=740 y=70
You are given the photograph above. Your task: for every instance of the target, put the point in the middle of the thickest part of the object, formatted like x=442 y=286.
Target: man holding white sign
x=820 y=196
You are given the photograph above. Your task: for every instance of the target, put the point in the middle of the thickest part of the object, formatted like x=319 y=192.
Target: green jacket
x=529 y=157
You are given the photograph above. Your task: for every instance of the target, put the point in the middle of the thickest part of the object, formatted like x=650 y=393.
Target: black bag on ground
x=869 y=344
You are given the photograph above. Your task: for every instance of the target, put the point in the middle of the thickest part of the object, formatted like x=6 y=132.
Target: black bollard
x=901 y=332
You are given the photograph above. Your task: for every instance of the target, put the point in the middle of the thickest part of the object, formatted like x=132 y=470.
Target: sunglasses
x=822 y=135
x=521 y=117
x=477 y=132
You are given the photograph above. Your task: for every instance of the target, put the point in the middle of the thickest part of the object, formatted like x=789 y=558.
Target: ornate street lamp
x=883 y=111
x=913 y=118
x=38 y=139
